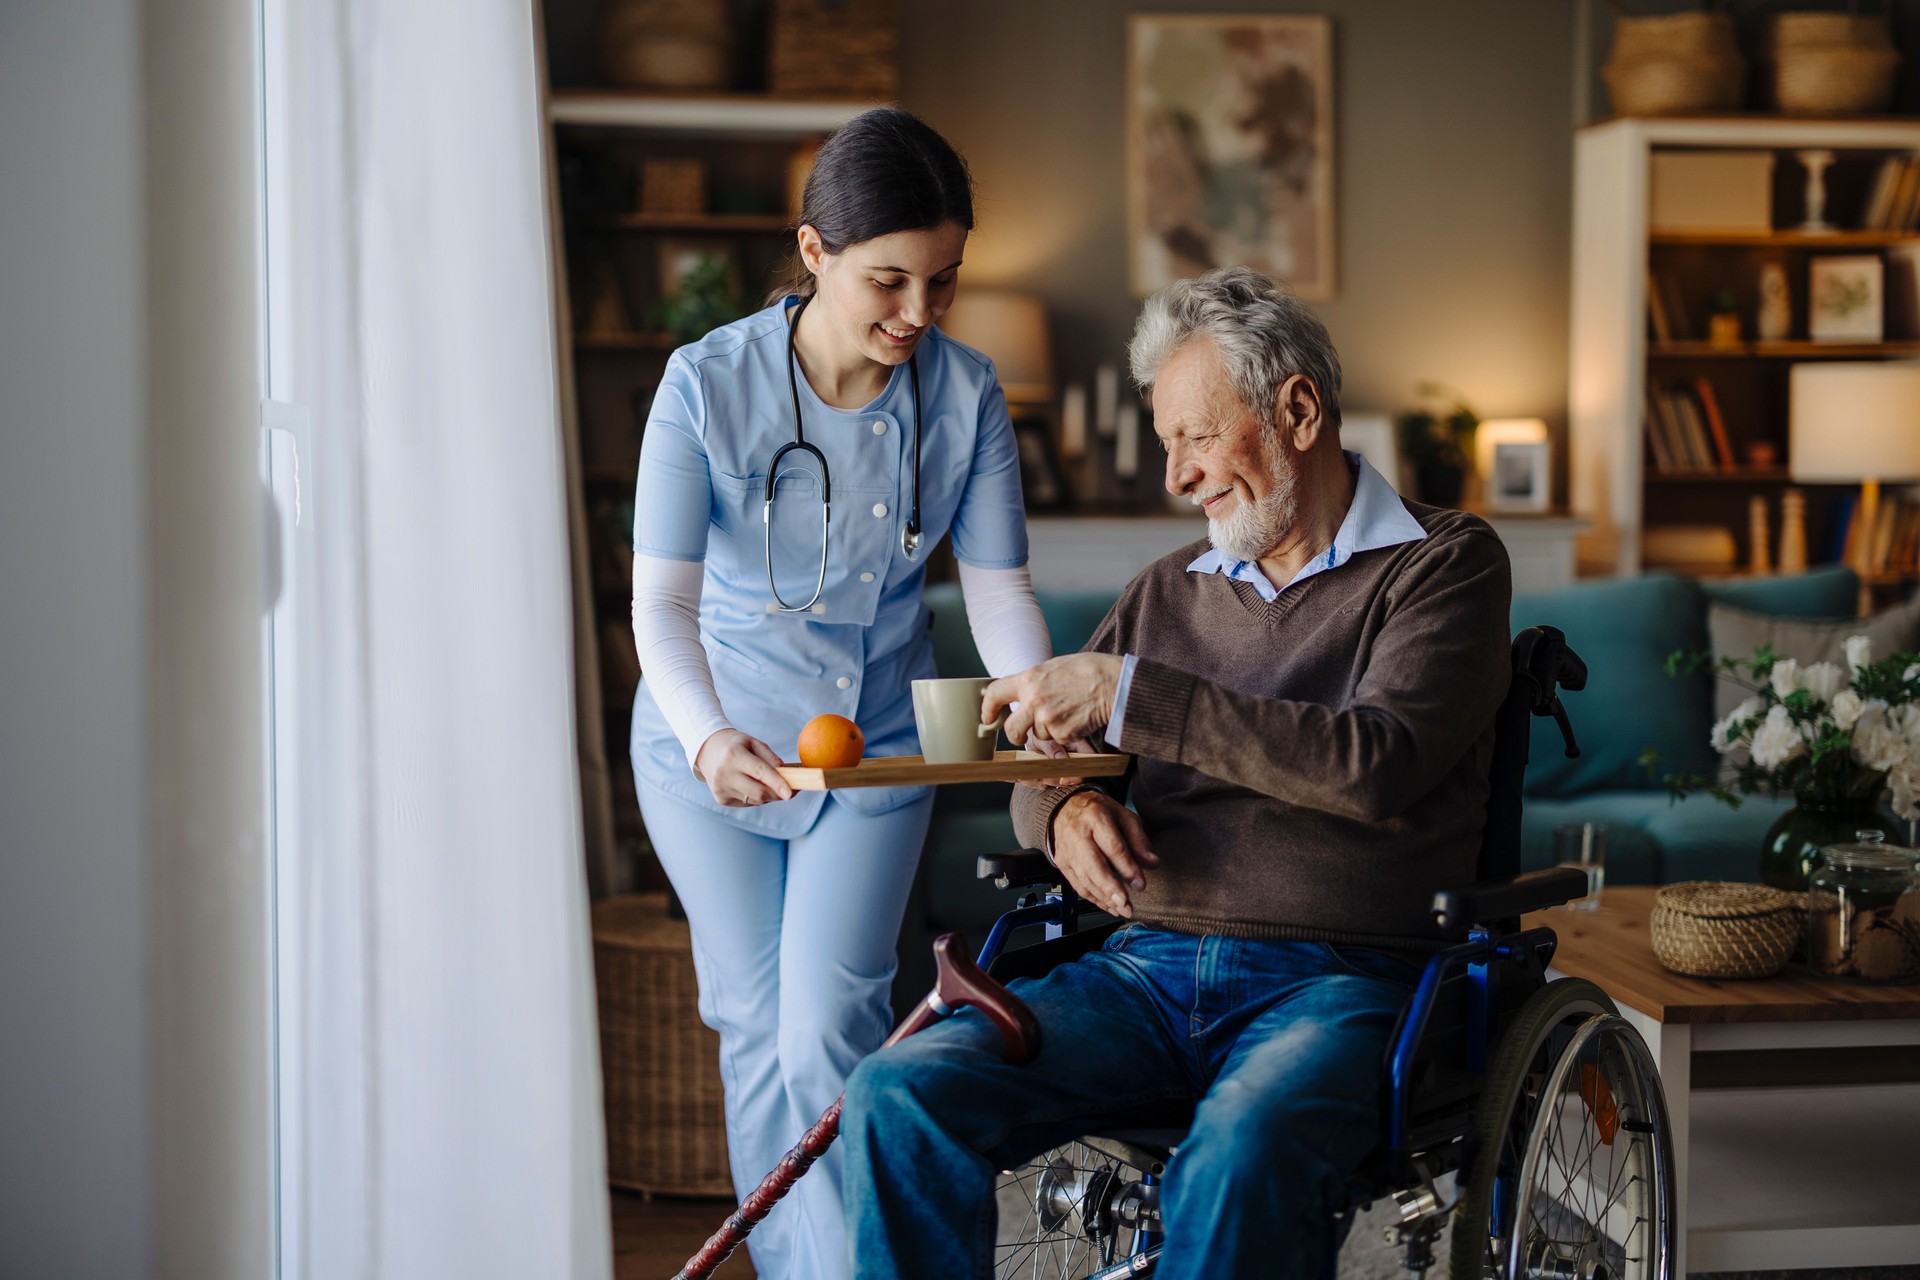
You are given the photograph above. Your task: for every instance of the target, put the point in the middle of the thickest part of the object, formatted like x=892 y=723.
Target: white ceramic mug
x=947 y=713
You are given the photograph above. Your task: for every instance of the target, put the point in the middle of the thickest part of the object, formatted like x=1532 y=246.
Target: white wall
x=76 y=1155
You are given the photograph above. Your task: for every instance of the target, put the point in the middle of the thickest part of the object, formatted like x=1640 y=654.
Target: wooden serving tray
x=912 y=771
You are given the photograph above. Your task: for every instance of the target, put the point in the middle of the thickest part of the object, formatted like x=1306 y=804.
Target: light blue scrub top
x=722 y=409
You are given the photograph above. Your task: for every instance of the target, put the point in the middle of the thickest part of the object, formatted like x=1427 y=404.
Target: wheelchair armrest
x=1018 y=869
x=1504 y=899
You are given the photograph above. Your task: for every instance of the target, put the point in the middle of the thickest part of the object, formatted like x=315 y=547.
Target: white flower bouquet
x=1823 y=733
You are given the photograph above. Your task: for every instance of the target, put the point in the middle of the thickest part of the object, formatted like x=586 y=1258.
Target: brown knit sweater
x=1314 y=767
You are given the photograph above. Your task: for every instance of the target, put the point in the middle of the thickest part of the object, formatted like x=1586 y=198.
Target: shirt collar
x=1376 y=518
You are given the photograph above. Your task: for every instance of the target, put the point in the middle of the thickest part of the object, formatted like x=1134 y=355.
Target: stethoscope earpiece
x=909 y=536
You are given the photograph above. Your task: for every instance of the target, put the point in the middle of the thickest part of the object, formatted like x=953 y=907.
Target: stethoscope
x=909 y=536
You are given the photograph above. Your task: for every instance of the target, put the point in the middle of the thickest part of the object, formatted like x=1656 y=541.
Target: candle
x=1106 y=394
x=1126 y=449
x=1073 y=422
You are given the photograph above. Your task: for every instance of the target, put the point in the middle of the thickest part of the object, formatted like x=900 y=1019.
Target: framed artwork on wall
x=1230 y=148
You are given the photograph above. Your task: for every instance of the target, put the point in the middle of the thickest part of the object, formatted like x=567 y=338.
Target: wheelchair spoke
x=1056 y=1215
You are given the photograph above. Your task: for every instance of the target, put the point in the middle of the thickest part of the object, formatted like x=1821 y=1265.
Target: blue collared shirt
x=1376 y=518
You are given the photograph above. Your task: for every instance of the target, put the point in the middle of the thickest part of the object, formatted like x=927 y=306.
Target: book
x=1833 y=538
x=1699 y=451
x=1716 y=425
x=1675 y=306
x=1879 y=206
x=1657 y=311
x=1663 y=460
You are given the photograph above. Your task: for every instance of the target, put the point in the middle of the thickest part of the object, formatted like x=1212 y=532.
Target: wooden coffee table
x=1795 y=1101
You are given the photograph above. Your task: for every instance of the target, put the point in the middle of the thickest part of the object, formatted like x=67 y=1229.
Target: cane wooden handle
x=961 y=982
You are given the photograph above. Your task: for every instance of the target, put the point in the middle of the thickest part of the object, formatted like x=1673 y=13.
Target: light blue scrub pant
x=793 y=946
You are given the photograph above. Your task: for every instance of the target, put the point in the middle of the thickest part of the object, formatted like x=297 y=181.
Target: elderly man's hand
x=1060 y=700
x=1101 y=848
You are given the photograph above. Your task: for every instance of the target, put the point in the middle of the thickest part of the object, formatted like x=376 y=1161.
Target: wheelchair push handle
x=1545 y=665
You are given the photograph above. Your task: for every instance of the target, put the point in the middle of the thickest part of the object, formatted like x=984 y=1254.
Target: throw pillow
x=1738 y=633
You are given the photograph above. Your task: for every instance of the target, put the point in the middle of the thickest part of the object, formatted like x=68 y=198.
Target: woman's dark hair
x=883 y=171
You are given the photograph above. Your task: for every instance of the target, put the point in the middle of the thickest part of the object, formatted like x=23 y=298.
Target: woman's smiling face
x=883 y=294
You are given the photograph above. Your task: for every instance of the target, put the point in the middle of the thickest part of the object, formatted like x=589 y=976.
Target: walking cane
x=959 y=983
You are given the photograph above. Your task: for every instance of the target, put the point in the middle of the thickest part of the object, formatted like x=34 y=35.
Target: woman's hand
x=740 y=771
x=1101 y=848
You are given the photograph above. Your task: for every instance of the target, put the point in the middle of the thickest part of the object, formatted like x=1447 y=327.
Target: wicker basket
x=1828 y=63
x=660 y=1066
x=1834 y=81
x=849 y=47
x=1712 y=929
x=1674 y=64
x=1671 y=34
x=665 y=44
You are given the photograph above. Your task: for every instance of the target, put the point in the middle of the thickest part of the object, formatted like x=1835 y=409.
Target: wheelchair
x=1539 y=1100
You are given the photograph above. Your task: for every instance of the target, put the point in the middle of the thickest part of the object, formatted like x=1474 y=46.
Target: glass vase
x=1791 y=850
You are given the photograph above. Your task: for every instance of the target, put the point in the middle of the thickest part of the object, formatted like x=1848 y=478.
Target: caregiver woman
x=795 y=899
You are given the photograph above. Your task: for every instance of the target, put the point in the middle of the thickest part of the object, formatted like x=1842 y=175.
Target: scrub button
x=866 y=577
x=880 y=509
x=820 y=608
x=843 y=683
x=772 y=607
x=879 y=428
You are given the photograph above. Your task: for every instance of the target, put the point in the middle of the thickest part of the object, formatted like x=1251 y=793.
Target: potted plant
x=1437 y=441
x=1836 y=739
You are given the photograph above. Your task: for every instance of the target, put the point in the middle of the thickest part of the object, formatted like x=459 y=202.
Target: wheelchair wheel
x=1573 y=1168
x=1068 y=1213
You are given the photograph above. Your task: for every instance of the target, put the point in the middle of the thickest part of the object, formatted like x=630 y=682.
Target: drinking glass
x=1583 y=845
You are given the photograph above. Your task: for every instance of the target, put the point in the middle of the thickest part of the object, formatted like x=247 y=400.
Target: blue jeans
x=1281 y=1043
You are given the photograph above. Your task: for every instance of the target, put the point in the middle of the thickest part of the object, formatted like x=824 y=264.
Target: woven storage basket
x=1670 y=34
x=660 y=1066
x=1674 y=64
x=1829 y=81
x=664 y=44
x=1711 y=929
x=1828 y=63
x=849 y=47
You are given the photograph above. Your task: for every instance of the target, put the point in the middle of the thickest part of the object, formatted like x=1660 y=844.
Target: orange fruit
x=831 y=742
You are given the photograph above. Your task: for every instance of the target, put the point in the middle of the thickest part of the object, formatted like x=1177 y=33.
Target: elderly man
x=1310 y=696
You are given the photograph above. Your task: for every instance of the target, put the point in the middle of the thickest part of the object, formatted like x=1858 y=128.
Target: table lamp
x=1010 y=329
x=1854 y=422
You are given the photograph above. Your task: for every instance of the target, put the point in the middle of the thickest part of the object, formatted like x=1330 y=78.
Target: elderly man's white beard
x=1256 y=528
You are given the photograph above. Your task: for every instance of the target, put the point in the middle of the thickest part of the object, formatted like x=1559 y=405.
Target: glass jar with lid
x=1863 y=912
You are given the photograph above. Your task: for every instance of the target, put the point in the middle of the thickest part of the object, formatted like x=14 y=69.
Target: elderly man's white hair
x=1265 y=334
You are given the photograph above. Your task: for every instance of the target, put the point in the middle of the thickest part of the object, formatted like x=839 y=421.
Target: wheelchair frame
x=1451 y=1030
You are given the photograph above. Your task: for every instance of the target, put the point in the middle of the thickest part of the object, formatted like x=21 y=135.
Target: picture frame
x=1043 y=480
x=1521 y=478
x=1846 y=298
x=1230 y=148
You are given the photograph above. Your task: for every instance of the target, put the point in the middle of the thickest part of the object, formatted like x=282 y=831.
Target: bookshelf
x=1646 y=380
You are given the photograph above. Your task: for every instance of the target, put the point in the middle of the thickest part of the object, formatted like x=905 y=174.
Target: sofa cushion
x=1654 y=840
x=1738 y=633
x=1827 y=592
x=1623 y=629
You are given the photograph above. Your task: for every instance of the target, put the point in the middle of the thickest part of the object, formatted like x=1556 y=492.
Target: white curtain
x=438 y=1050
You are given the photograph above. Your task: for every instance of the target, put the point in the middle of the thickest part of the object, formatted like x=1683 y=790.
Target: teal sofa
x=1623 y=628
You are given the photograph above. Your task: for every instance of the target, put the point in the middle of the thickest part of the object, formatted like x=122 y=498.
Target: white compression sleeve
x=1008 y=628
x=666 y=634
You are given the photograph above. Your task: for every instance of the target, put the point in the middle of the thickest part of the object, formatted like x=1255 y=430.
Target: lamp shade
x=1854 y=421
x=1010 y=329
